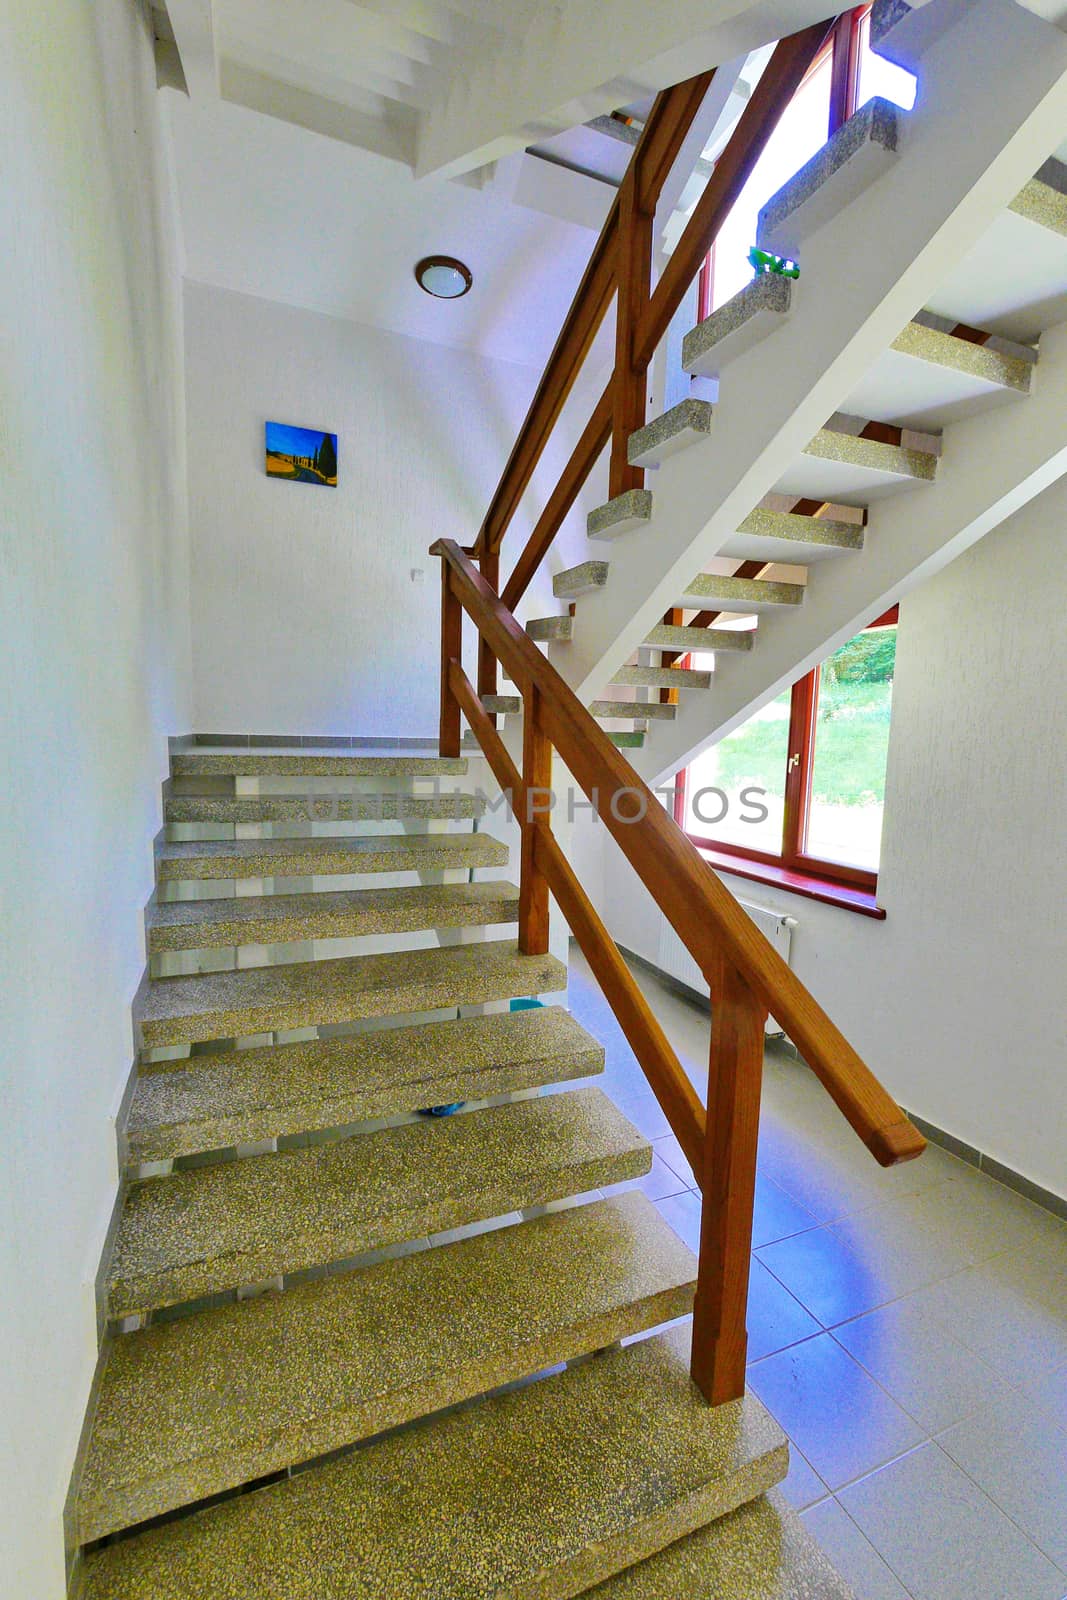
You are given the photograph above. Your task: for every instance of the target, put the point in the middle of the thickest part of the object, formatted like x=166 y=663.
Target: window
x=844 y=76
x=796 y=794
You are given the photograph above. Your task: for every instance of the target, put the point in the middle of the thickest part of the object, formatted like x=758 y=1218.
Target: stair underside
x=761 y=1551
x=335 y=914
x=240 y=1222
x=310 y=764
x=213 y=1101
x=539 y=1494
x=322 y=857
x=788 y=536
x=321 y=807
x=850 y=470
x=304 y=994
x=929 y=378
x=186 y=1409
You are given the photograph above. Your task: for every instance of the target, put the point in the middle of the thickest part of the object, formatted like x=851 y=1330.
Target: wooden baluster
x=537 y=777
x=720 y=1340
x=451 y=650
x=634 y=274
x=487 y=675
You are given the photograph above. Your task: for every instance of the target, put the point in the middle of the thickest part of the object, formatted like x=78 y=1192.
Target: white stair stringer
x=992 y=465
x=861 y=282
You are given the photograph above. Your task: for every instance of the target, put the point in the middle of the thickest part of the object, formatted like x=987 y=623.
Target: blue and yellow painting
x=303 y=455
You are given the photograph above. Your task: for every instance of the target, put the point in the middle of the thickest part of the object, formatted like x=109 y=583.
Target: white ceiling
x=274 y=210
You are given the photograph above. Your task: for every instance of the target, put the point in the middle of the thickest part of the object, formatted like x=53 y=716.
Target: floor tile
x=937 y=1380
x=1049 y=1393
x=682 y=1211
x=777 y=1214
x=670 y=1151
x=829 y=1180
x=1011 y=1310
x=856 y=1560
x=1018 y=1455
x=911 y=1241
x=841 y=1420
x=802 y=1485
x=826 y=1276
x=775 y=1319
x=943 y=1537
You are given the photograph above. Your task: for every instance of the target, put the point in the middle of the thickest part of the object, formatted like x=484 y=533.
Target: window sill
x=842 y=895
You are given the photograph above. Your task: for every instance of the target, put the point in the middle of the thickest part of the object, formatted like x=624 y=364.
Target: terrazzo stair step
x=546 y=630
x=683 y=425
x=661 y=678
x=789 y=536
x=1044 y=199
x=671 y=636
x=211 y=1101
x=215 y=1228
x=192 y=1407
x=742 y=322
x=639 y=710
x=306 y=994
x=761 y=1551
x=929 y=377
x=583 y=579
x=278 y=808
x=741 y=595
x=326 y=857
x=850 y=470
x=339 y=914
x=310 y=763
x=633 y=740
x=848 y=163
x=621 y=515
x=539 y=1493
x=502 y=705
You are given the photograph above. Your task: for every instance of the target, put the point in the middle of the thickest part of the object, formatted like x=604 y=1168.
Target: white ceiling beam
x=193 y=22
x=569 y=65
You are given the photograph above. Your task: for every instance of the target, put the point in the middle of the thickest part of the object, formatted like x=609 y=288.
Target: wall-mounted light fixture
x=443 y=276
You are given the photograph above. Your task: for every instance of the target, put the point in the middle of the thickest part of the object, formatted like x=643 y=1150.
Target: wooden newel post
x=487 y=675
x=634 y=277
x=451 y=650
x=720 y=1340
x=537 y=782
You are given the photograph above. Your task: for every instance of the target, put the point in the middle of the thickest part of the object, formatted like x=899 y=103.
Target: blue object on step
x=442 y=1111
x=525 y=1005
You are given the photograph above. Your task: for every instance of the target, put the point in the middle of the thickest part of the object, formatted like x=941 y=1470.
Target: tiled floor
x=907 y=1328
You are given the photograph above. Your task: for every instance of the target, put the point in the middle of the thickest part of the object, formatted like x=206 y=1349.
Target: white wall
x=305 y=616
x=957 y=999
x=93 y=662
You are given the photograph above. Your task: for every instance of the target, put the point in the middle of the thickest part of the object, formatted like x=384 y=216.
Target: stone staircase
x=345 y=1346
x=787 y=530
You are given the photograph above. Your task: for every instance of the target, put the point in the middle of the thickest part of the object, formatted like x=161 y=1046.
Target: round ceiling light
x=443 y=276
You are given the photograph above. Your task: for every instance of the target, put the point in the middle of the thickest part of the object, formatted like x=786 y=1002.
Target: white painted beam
x=193 y=22
x=573 y=62
x=993 y=465
x=390 y=136
x=861 y=282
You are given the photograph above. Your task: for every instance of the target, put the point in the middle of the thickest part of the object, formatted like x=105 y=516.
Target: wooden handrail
x=706 y=917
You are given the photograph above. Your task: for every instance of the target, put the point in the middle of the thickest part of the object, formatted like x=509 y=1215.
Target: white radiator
x=675 y=960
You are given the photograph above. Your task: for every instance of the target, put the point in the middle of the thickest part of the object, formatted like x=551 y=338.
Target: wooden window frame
x=793 y=867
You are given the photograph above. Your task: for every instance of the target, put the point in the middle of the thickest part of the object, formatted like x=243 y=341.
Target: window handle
x=794 y=761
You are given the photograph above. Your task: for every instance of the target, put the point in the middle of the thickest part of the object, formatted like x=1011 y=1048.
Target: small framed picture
x=302 y=455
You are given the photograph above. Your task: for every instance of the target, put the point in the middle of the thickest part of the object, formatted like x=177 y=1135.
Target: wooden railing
x=745 y=974
x=620 y=268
